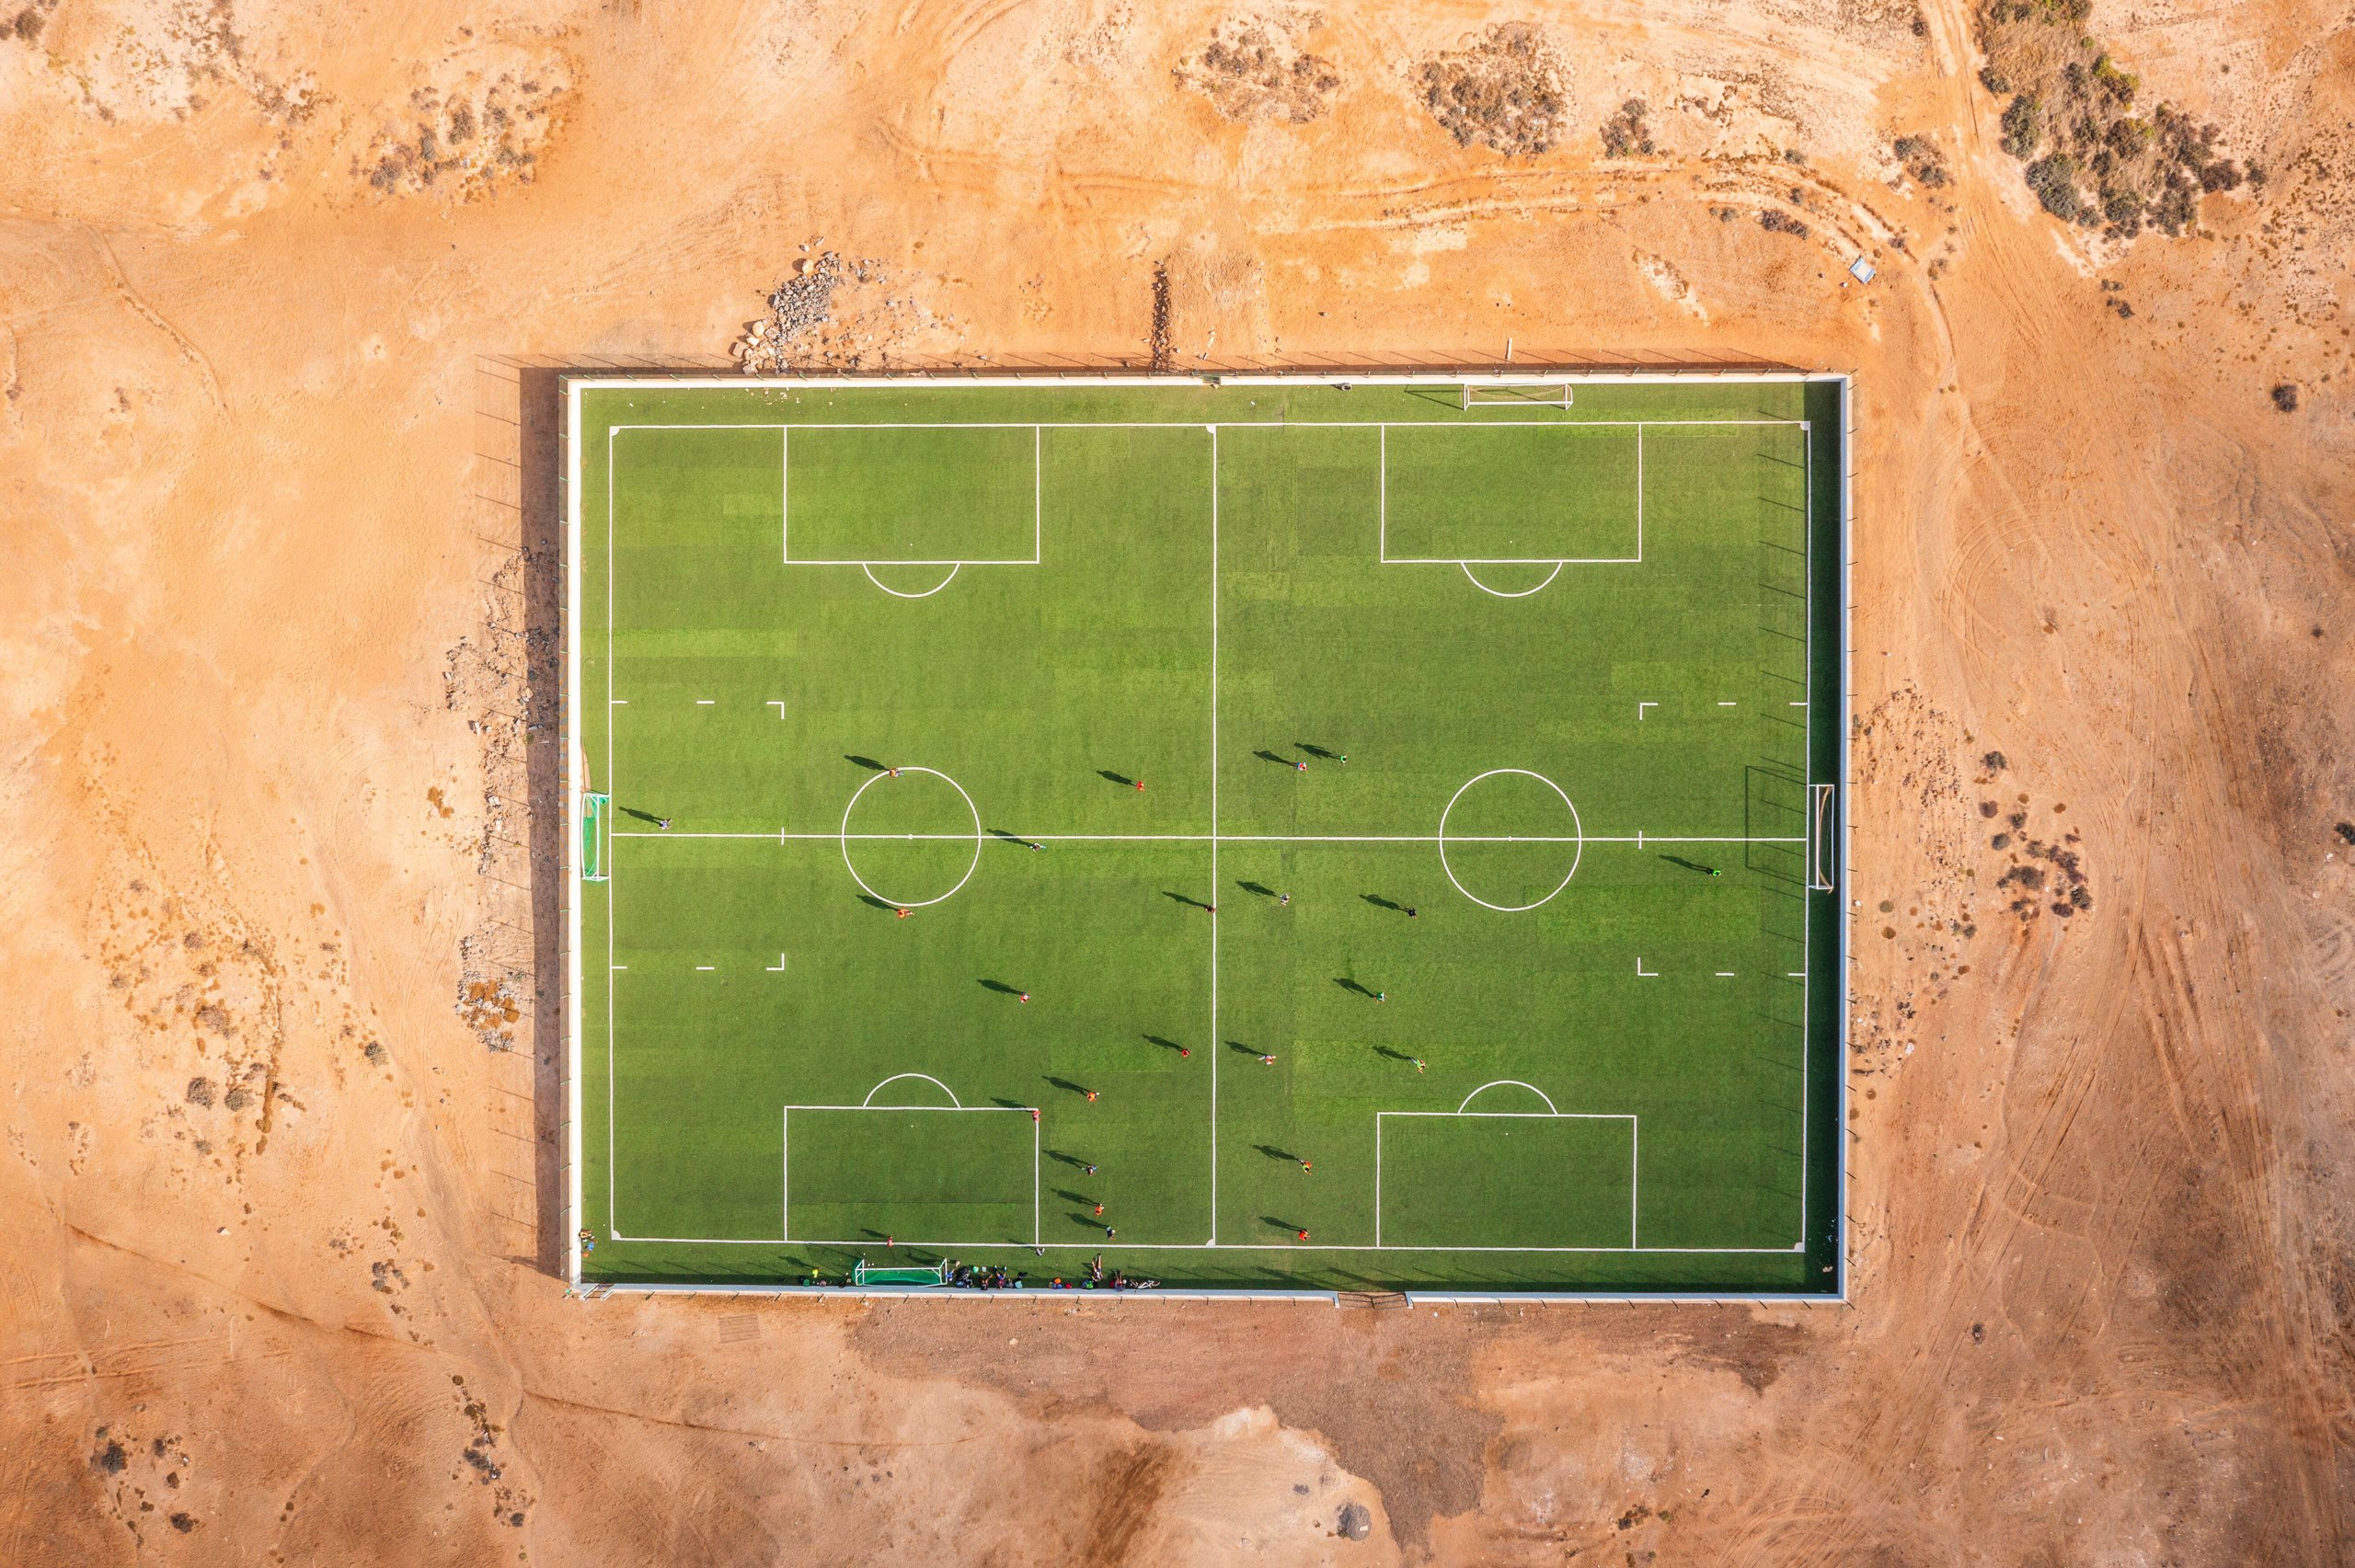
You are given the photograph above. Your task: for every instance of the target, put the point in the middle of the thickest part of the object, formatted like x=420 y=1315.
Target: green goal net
x=593 y=836
x=862 y=1275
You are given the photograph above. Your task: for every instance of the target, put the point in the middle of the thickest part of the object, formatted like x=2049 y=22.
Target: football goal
x=1516 y=394
x=593 y=836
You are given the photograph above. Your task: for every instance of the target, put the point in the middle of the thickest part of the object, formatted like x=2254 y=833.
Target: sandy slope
x=272 y=441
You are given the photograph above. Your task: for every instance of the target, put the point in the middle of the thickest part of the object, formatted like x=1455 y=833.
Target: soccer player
x=1303 y=1235
x=1099 y=1211
x=1266 y=1059
x=1378 y=996
x=1209 y=909
x=1302 y=766
x=663 y=823
x=1418 y=1064
x=1091 y=1097
x=1109 y=1233
x=1308 y=1164
x=1034 y=1116
x=1184 y=1050
x=902 y=913
x=1140 y=783
x=1283 y=898
x=1411 y=911
x=1089 y=1169
x=1022 y=996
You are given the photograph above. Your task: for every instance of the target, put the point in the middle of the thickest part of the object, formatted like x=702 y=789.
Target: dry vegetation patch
x=1625 y=134
x=1506 y=91
x=1254 y=68
x=1923 y=161
x=2094 y=158
x=463 y=140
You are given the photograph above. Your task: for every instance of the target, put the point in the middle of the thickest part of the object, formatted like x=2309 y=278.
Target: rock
x=1356 y=1522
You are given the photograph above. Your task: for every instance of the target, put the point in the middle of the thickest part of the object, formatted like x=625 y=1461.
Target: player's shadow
x=1279 y=761
x=869 y=763
x=641 y=816
x=1264 y=891
x=1286 y=1226
x=1379 y=902
x=1165 y=1045
x=1688 y=864
x=1349 y=985
x=1067 y=1085
x=1272 y=1152
x=874 y=902
x=998 y=986
x=1251 y=1051
x=1070 y=1196
x=1073 y=1160
x=1089 y=1220
x=1012 y=838
x=1394 y=1056
x=1121 y=779
x=1185 y=898
x=1319 y=751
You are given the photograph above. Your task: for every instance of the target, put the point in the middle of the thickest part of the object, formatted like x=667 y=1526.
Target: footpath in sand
x=281 y=293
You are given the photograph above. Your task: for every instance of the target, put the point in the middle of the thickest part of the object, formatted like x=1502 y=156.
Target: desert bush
x=1505 y=91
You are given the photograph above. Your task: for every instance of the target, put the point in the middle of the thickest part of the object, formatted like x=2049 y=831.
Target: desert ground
x=283 y=293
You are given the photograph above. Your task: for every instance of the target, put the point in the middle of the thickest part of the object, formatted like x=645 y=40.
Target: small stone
x=1356 y=1522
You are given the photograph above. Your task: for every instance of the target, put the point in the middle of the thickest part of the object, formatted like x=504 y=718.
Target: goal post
x=1516 y=394
x=593 y=811
x=862 y=1275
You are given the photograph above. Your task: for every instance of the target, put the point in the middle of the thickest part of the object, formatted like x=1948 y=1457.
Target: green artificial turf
x=1612 y=964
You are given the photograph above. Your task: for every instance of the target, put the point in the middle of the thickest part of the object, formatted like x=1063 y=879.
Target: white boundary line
x=785 y=1160
x=575 y=762
x=574 y=386
x=1639 y=840
x=613 y=897
x=1215 y=1052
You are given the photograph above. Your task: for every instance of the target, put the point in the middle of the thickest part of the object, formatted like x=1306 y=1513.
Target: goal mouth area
x=950 y=1175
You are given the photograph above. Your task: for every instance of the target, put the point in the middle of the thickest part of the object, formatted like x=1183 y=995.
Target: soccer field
x=1362 y=837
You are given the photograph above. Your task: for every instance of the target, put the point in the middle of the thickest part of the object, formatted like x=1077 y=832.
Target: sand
x=275 y=470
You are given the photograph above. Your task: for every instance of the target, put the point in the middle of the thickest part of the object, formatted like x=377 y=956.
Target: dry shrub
x=2090 y=157
x=1625 y=135
x=1923 y=160
x=1505 y=91
x=479 y=136
x=1254 y=69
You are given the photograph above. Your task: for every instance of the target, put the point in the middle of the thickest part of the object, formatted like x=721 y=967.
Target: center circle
x=894 y=775
x=1577 y=840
